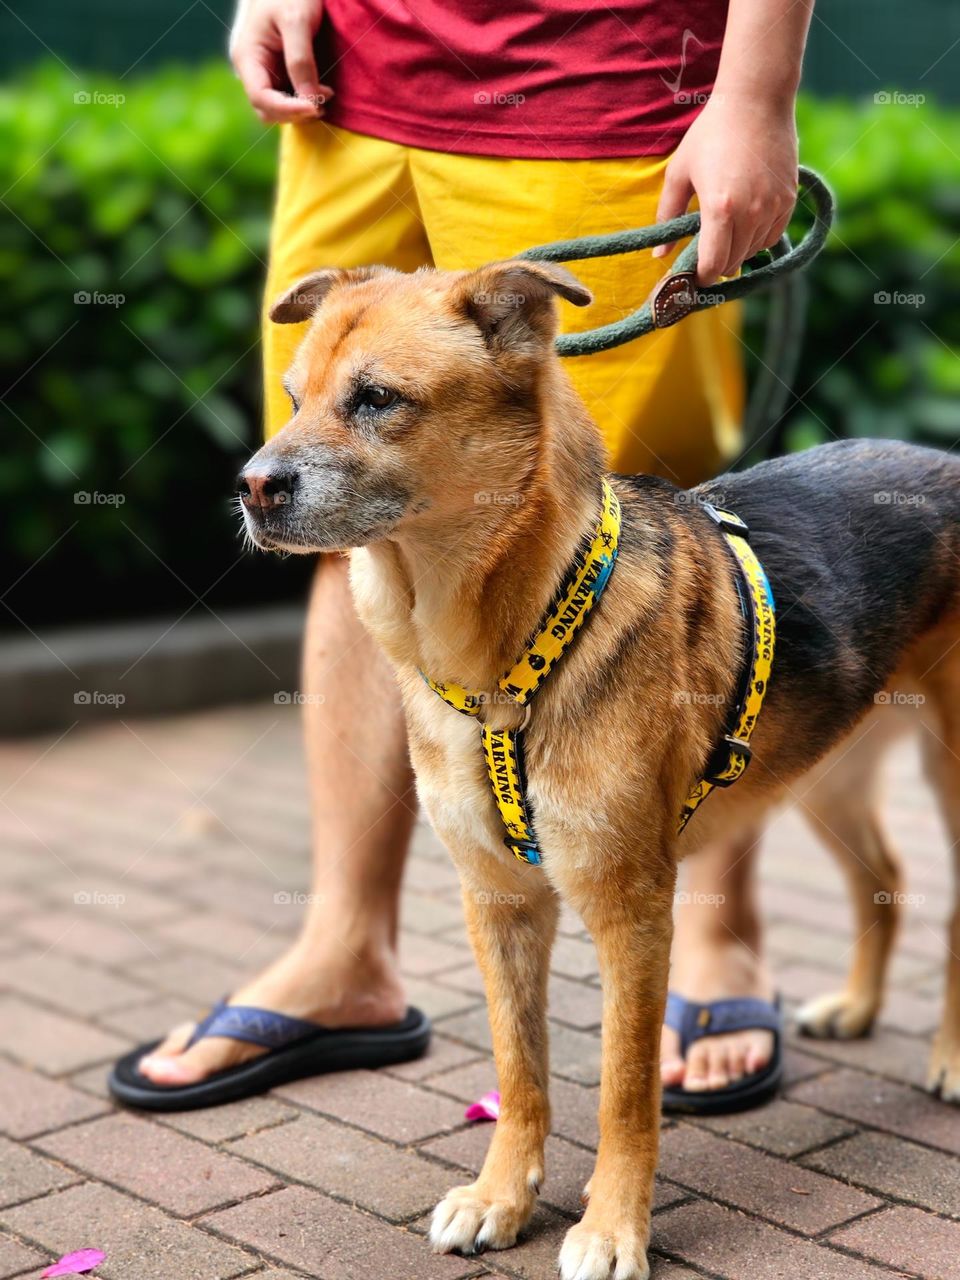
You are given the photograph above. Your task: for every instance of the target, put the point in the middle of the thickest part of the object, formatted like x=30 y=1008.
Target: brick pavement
x=148 y=866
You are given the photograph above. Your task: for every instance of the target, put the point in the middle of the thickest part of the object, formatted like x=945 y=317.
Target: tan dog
x=435 y=430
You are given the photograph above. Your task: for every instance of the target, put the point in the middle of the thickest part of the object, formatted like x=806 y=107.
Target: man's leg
x=716 y=954
x=342 y=970
x=342 y=200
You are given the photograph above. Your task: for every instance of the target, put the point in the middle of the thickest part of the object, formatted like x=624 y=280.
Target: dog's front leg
x=512 y=933
x=632 y=932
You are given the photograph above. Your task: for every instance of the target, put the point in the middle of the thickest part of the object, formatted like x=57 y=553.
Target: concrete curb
x=161 y=665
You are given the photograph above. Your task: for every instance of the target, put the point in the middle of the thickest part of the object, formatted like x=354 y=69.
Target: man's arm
x=740 y=155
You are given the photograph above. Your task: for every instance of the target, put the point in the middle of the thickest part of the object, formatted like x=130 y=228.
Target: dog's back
x=861 y=543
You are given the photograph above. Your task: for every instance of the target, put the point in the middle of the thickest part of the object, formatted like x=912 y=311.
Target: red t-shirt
x=547 y=78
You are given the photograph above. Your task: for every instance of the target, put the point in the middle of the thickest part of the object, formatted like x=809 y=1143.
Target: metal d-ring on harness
x=674 y=298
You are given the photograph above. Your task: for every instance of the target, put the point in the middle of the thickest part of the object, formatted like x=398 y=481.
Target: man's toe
x=672 y=1071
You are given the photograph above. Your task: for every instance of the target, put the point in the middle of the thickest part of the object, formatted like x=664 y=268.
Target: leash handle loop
x=677 y=295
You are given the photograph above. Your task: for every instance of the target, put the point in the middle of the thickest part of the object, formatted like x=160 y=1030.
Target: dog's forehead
x=389 y=318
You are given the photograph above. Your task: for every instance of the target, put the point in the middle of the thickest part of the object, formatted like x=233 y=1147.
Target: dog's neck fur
x=459 y=597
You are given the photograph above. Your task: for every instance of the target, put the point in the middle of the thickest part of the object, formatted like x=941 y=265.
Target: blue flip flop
x=297 y=1049
x=694 y=1021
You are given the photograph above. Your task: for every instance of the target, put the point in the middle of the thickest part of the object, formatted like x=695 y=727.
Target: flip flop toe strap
x=693 y=1020
x=256 y=1026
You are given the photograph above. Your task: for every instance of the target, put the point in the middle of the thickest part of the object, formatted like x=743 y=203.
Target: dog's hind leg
x=512 y=930
x=941 y=749
x=839 y=801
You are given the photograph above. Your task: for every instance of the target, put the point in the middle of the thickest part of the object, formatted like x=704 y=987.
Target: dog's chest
x=456 y=791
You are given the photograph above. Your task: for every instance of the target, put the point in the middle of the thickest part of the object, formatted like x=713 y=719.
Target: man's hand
x=271 y=48
x=741 y=160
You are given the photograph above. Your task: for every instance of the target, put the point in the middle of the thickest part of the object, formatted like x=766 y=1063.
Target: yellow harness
x=731 y=755
x=579 y=592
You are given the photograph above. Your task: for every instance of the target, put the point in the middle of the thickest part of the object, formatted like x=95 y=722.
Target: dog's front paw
x=468 y=1221
x=836 y=1017
x=603 y=1253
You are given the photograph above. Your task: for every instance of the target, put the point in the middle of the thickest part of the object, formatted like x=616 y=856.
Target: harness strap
x=578 y=593
x=731 y=755
x=580 y=590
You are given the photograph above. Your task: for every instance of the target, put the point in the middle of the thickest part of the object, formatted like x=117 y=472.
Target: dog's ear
x=513 y=302
x=302 y=299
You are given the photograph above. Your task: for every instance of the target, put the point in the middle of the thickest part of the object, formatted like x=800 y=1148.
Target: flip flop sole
x=752 y=1091
x=328 y=1050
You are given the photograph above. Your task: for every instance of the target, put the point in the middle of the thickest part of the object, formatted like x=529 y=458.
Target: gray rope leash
x=677 y=295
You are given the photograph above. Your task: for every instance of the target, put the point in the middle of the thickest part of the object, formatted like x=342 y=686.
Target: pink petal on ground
x=73 y=1264
x=487 y=1108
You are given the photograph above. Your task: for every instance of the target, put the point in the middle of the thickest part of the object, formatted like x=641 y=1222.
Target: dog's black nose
x=265 y=490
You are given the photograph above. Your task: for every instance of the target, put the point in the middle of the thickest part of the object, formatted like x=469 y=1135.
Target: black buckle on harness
x=728 y=523
x=720 y=759
x=527 y=850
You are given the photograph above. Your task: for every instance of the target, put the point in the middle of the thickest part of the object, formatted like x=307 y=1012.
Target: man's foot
x=300 y=985
x=704 y=971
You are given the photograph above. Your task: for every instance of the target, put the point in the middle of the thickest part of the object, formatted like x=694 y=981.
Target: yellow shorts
x=668 y=403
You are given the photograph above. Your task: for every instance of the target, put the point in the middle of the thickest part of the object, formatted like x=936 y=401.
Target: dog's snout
x=265 y=489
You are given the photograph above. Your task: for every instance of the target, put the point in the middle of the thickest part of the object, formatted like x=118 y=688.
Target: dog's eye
x=376 y=398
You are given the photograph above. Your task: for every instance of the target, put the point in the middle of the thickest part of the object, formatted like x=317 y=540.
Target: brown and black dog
x=435 y=433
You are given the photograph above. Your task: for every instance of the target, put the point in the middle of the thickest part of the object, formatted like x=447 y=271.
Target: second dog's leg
x=941 y=744
x=632 y=932
x=841 y=808
x=512 y=934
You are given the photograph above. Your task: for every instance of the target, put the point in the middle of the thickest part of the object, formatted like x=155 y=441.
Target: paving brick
x=205 y=978
x=894 y=1167
x=139 y=1241
x=16 y=1258
x=576 y=1003
x=422 y=957
x=76 y=933
x=908 y=1240
x=162 y=1166
x=573 y=1106
x=759 y=1183
x=349 y=1165
x=884 y=1052
x=380 y=1104
x=330 y=1241
x=32 y=1104
x=424 y=913
x=232 y=1120
x=52 y=1042
x=442 y=1055
x=466 y=977
x=575 y=958
x=575 y=1055
x=799 y=1065
x=93 y=1080
x=438 y=1000
x=782 y=1127
x=219 y=934
x=152 y=1018
x=24 y=1175
x=729 y=1244
x=69 y=984
x=880 y=1104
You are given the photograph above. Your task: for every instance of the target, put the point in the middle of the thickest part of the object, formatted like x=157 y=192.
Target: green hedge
x=152 y=199
x=875 y=367
x=164 y=198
